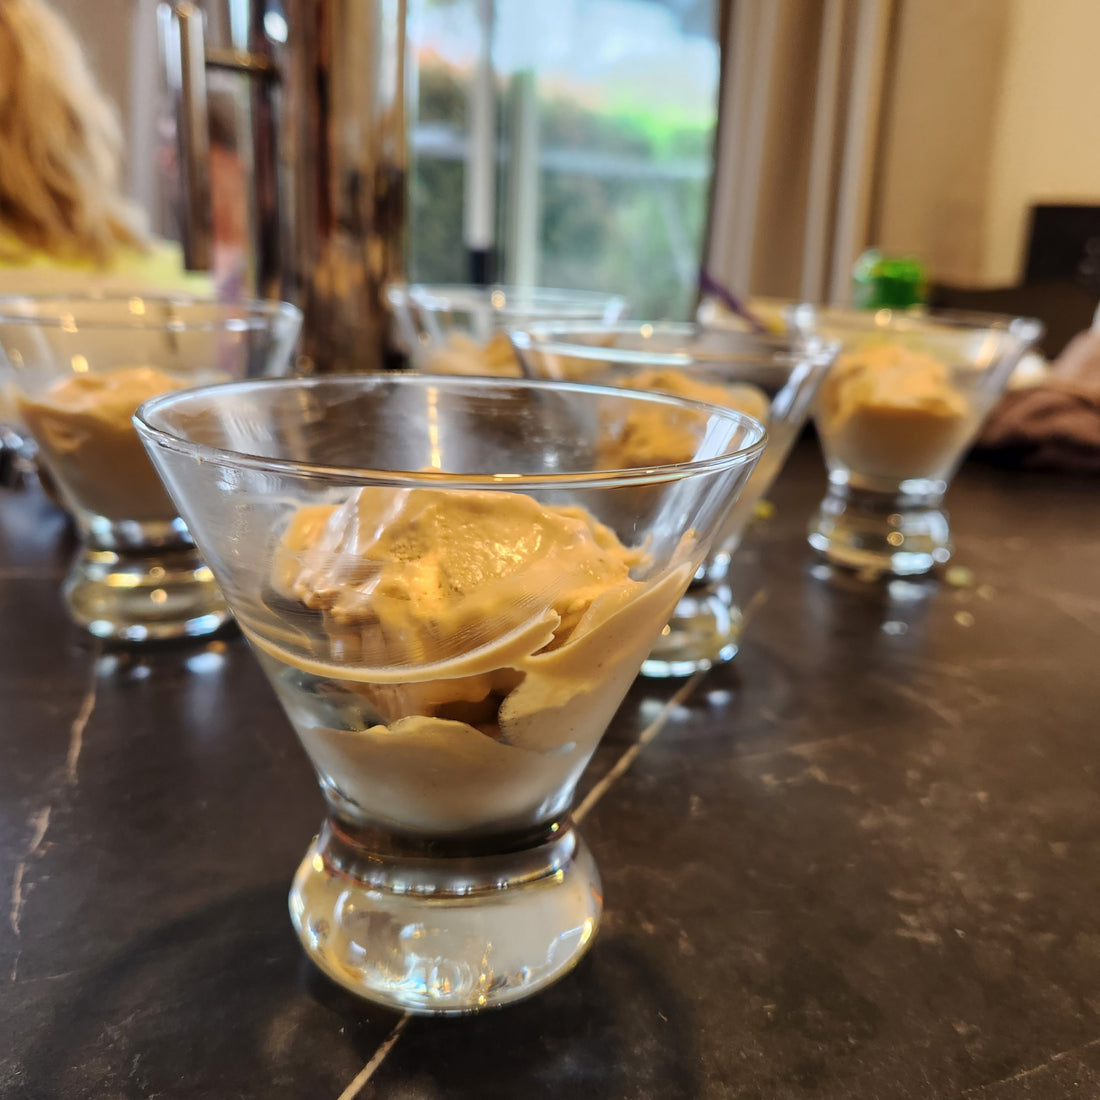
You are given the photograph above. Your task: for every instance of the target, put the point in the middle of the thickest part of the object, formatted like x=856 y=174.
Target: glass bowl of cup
x=450 y=590
x=772 y=378
x=456 y=329
x=77 y=368
x=904 y=401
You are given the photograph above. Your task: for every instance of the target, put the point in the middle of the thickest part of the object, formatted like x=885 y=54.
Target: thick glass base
x=878 y=532
x=144 y=596
x=704 y=631
x=431 y=931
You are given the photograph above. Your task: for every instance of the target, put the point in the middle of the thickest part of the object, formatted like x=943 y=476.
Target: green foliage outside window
x=636 y=233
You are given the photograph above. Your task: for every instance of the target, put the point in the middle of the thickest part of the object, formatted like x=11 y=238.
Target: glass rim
x=1029 y=329
x=761 y=349
x=463 y=295
x=55 y=309
x=355 y=475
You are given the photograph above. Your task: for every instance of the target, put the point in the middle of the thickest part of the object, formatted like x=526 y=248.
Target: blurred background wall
x=991 y=108
x=1047 y=125
x=939 y=125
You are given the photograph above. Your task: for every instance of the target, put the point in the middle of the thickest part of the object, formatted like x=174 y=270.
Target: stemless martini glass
x=449 y=643
x=906 y=398
x=79 y=367
x=772 y=378
x=460 y=329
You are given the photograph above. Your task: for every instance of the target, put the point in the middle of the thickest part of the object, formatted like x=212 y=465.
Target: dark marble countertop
x=861 y=861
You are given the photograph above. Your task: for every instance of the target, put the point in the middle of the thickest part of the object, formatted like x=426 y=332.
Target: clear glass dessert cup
x=774 y=379
x=900 y=408
x=449 y=643
x=77 y=369
x=456 y=329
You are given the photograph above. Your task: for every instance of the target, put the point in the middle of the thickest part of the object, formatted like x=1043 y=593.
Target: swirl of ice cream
x=83 y=428
x=478 y=642
x=653 y=435
x=890 y=412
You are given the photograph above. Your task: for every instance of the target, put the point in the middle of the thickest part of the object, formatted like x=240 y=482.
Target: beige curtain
x=798 y=143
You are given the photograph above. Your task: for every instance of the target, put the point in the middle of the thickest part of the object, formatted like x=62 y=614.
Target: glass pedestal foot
x=434 y=933
x=904 y=534
x=140 y=596
x=704 y=631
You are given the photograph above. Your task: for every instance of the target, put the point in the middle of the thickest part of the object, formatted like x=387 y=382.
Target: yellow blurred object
x=159 y=268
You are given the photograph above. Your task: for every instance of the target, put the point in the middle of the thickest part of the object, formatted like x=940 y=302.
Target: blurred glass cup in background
x=464 y=329
x=896 y=415
x=773 y=379
x=77 y=368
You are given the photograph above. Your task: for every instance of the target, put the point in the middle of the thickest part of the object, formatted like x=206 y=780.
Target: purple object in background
x=709 y=285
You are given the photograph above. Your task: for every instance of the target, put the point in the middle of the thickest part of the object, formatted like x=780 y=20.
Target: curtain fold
x=797 y=145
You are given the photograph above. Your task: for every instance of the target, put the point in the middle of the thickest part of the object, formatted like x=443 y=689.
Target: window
x=593 y=171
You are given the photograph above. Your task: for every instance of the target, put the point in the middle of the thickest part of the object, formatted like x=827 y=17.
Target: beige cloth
x=1055 y=424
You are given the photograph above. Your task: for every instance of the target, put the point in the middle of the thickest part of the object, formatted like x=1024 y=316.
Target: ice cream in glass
x=78 y=368
x=907 y=396
x=773 y=379
x=451 y=593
